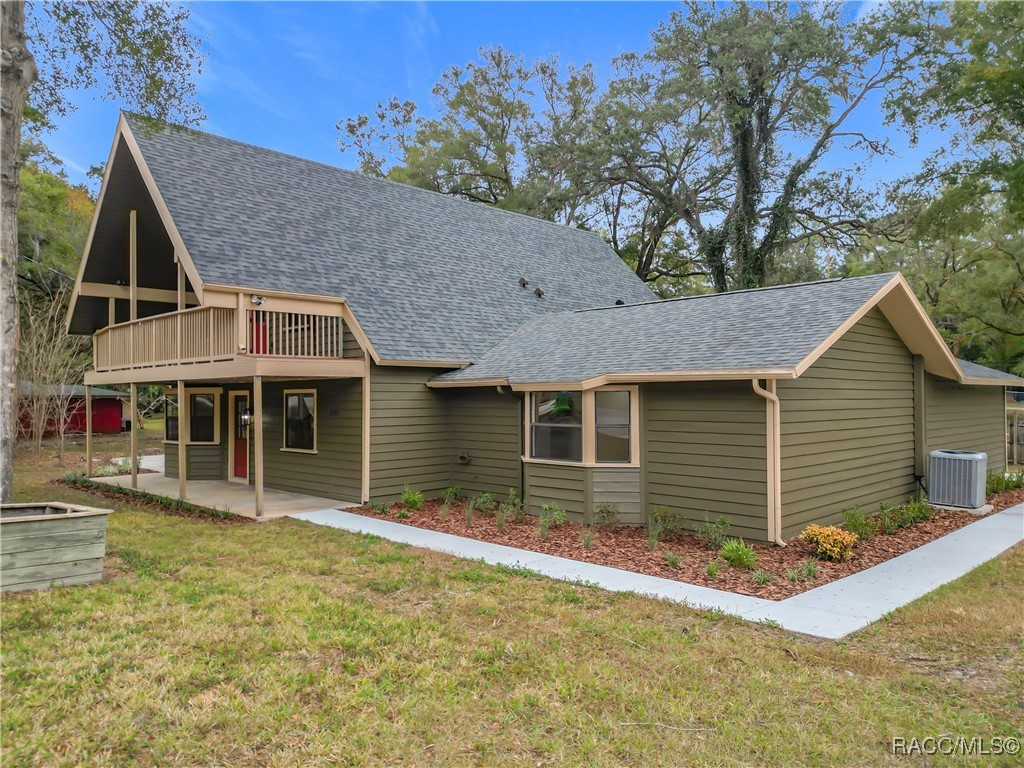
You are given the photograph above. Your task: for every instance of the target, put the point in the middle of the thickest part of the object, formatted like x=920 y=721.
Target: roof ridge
x=367 y=177
x=731 y=293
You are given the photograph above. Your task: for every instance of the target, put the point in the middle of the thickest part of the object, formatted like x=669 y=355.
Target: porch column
x=182 y=457
x=135 y=435
x=88 y=430
x=257 y=430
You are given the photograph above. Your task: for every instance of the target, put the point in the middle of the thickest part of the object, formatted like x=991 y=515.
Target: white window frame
x=589 y=426
x=186 y=424
x=284 y=420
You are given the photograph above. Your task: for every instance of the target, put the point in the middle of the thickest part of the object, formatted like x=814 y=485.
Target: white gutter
x=773 y=458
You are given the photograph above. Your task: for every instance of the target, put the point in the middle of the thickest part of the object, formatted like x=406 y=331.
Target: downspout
x=773 y=458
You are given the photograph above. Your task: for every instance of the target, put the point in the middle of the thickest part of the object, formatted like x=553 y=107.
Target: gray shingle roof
x=983 y=372
x=27 y=389
x=428 y=277
x=766 y=328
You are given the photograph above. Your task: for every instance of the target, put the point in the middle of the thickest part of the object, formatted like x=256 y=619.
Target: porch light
x=245 y=417
x=258 y=300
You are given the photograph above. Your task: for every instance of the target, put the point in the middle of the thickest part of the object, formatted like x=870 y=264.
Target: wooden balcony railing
x=210 y=334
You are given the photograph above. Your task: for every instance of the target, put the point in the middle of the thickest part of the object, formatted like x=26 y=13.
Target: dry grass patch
x=287 y=643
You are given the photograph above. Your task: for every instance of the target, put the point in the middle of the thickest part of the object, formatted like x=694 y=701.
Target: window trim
x=284 y=420
x=189 y=391
x=589 y=428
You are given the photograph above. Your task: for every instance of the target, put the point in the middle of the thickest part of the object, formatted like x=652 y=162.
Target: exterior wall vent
x=957 y=478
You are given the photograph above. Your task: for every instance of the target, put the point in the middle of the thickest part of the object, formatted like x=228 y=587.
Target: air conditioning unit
x=957 y=478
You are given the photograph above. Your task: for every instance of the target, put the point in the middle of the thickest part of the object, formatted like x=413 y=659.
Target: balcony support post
x=257 y=429
x=182 y=439
x=133 y=283
x=88 y=430
x=135 y=434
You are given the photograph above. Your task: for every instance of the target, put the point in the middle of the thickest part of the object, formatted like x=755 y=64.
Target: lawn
x=287 y=644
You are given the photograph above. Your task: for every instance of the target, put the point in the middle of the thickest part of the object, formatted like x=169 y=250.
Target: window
x=612 y=417
x=171 y=420
x=203 y=416
x=557 y=426
x=300 y=420
x=591 y=427
x=202 y=412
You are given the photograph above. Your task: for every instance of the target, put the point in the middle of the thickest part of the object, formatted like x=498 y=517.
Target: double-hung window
x=203 y=417
x=556 y=425
x=300 y=420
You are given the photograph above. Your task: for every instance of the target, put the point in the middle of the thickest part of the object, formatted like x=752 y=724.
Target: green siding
x=486 y=426
x=335 y=470
x=848 y=428
x=704 y=453
x=967 y=418
x=409 y=433
x=617 y=485
x=559 y=484
x=349 y=346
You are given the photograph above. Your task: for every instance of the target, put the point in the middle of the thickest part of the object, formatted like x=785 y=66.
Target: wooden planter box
x=51 y=544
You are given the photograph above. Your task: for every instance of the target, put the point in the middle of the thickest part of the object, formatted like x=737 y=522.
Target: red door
x=240 y=469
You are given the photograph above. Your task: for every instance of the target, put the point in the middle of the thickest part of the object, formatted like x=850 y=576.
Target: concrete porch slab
x=830 y=611
x=237 y=498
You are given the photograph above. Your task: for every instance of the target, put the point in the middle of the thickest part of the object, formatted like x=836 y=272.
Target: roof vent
x=523 y=282
x=538 y=292
x=619 y=302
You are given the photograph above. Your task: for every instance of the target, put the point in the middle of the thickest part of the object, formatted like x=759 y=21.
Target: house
x=109 y=408
x=329 y=333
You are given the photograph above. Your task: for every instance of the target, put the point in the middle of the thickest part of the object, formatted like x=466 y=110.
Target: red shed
x=109 y=410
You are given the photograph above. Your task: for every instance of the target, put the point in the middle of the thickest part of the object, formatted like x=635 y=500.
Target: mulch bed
x=1006 y=499
x=626 y=547
x=112 y=492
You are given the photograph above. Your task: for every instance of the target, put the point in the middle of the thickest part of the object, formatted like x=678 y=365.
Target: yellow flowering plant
x=831 y=543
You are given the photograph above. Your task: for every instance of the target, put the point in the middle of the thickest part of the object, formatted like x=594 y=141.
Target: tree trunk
x=17 y=71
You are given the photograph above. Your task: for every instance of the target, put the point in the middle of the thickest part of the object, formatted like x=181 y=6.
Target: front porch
x=221 y=494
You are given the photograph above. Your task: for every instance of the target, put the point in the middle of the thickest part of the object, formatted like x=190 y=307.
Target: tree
x=722 y=129
x=970 y=85
x=139 y=52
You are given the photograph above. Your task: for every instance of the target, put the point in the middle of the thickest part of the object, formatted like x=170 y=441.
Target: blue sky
x=282 y=74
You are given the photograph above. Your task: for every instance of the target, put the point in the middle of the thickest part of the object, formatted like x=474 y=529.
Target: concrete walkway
x=831 y=611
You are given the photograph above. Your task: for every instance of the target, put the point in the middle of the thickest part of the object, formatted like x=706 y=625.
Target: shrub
x=998 y=482
x=762 y=577
x=714 y=533
x=449 y=495
x=830 y=543
x=513 y=507
x=551 y=516
x=855 y=521
x=810 y=570
x=412 y=499
x=380 y=509
x=889 y=518
x=917 y=509
x=485 y=503
x=500 y=517
x=606 y=514
x=793 y=575
x=655 y=526
x=672 y=521
x=402 y=514
x=738 y=554
x=713 y=568
x=588 y=537
x=468 y=512
x=672 y=559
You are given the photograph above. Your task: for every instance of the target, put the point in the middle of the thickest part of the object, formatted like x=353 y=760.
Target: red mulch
x=1006 y=499
x=626 y=547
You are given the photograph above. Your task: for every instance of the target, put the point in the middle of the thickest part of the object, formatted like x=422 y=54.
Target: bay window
x=588 y=427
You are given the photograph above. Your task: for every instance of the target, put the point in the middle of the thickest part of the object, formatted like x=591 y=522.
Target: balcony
x=221 y=342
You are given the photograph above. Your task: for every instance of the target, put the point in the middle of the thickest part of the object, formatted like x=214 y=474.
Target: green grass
x=287 y=644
